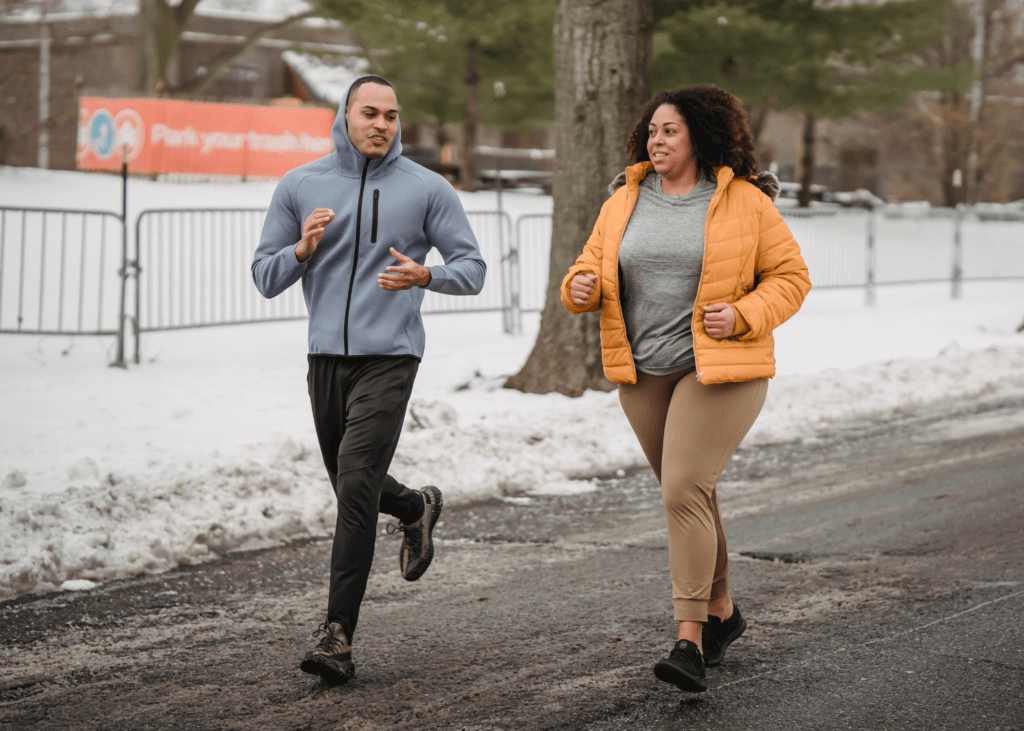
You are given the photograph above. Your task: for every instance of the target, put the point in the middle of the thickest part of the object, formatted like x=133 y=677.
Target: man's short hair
x=371 y=79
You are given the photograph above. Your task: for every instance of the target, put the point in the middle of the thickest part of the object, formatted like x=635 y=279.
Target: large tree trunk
x=160 y=29
x=602 y=78
x=470 y=111
x=807 y=161
x=757 y=116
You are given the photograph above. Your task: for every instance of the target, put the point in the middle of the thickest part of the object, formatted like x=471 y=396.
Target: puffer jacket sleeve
x=782 y=281
x=589 y=262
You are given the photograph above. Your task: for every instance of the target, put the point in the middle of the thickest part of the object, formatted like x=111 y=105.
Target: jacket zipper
x=355 y=250
x=373 y=225
x=622 y=316
x=703 y=259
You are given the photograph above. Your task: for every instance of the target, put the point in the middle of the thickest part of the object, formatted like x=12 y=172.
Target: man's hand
x=406 y=275
x=719 y=320
x=581 y=288
x=312 y=232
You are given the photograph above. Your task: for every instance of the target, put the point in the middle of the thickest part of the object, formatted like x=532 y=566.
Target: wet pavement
x=880 y=566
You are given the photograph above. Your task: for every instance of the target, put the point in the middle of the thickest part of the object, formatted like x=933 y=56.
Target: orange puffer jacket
x=751 y=261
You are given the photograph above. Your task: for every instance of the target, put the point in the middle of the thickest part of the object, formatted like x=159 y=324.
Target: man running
x=355 y=226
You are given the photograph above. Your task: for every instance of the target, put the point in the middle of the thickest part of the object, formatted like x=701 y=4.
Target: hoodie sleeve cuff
x=437 y=279
x=292 y=258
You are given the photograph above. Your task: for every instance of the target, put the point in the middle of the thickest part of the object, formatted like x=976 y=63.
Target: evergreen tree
x=465 y=61
x=826 y=61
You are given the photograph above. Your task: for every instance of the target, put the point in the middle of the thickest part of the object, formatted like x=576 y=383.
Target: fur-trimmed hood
x=767 y=182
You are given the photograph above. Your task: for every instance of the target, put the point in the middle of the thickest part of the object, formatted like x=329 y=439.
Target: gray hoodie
x=377 y=204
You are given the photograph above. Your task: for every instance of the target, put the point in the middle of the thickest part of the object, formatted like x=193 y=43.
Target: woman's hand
x=581 y=288
x=719 y=320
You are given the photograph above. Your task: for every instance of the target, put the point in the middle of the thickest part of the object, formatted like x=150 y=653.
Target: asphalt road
x=881 y=568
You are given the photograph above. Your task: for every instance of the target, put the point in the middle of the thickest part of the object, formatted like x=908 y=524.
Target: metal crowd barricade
x=849 y=248
x=988 y=246
x=532 y=260
x=60 y=271
x=193 y=269
x=493 y=230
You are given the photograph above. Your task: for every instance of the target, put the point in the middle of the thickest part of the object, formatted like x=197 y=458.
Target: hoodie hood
x=347 y=159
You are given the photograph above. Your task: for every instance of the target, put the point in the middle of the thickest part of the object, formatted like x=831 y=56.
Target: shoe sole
x=328 y=673
x=669 y=673
x=428 y=555
x=735 y=635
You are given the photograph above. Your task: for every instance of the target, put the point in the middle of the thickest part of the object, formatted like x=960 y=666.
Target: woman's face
x=668 y=143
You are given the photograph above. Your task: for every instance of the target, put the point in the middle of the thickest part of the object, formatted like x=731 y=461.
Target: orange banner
x=169 y=136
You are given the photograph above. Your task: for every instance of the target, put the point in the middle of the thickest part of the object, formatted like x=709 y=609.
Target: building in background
x=48 y=62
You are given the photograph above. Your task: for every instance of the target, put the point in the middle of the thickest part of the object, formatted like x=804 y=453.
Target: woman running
x=692 y=268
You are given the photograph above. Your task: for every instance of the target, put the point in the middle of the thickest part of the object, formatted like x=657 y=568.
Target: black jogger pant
x=358 y=407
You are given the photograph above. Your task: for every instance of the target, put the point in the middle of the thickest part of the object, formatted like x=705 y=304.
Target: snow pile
x=208 y=446
x=115 y=525
x=544 y=442
x=798 y=406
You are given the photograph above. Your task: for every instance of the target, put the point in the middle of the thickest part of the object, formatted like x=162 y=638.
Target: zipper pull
x=699 y=375
x=373 y=225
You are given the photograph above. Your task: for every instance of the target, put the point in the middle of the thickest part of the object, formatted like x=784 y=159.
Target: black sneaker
x=684 y=668
x=418 y=544
x=332 y=658
x=717 y=635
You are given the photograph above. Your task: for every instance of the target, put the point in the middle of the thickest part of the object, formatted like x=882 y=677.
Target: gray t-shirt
x=660 y=261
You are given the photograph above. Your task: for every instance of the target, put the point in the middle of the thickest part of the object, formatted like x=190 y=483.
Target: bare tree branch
x=1006 y=66
x=221 y=64
x=183 y=12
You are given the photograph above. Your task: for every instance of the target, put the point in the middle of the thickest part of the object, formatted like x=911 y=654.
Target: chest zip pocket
x=373 y=224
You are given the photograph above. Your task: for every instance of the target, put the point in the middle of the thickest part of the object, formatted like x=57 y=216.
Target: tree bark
x=980 y=54
x=602 y=79
x=223 y=62
x=468 y=172
x=952 y=133
x=807 y=161
x=160 y=29
x=757 y=116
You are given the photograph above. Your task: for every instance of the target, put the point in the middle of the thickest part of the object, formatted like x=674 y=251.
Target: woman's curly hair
x=718 y=129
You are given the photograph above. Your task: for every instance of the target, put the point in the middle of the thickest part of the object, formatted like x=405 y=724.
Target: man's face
x=372 y=119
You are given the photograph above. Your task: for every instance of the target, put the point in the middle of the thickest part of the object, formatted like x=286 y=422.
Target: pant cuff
x=691 y=610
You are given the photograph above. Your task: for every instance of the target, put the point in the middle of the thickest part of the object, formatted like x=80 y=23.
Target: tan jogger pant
x=689 y=432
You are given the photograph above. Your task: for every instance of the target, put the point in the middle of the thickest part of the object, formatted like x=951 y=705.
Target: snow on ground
x=208 y=445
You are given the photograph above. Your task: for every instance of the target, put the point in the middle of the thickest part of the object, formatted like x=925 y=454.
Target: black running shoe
x=418 y=544
x=684 y=668
x=717 y=635
x=332 y=658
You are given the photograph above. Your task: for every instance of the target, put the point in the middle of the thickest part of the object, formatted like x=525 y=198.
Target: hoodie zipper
x=355 y=249
x=373 y=226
